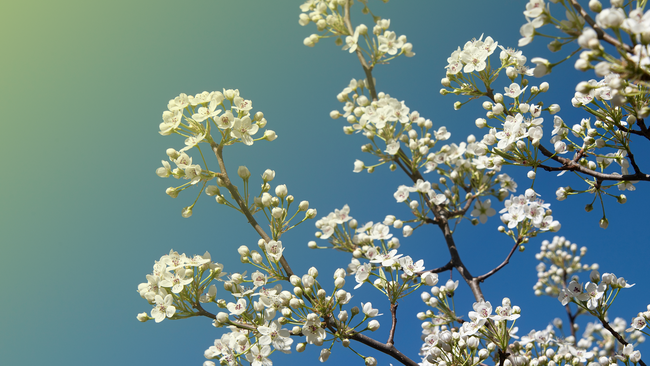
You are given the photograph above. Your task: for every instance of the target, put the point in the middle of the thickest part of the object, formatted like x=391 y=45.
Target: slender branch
x=601 y=34
x=633 y=162
x=203 y=312
x=223 y=175
x=458 y=263
x=447 y=267
x=572 y=319
x=570 y=165
x=385 y=348
x=618 y=337
x=505 y=262
x=391 y=336
x=366 y=69
x=503 y=356
x=463 y=210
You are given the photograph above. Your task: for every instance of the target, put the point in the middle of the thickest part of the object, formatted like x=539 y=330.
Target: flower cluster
x=205 y=112
x=329 y=18
x=527 y=211
x=472 y=57
x=559 y=260
x=168 y=284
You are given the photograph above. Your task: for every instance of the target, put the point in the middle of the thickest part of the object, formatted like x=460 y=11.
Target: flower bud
x=373 y=325
x=143 y=317
x=243 y=173
x=604 y=223
x=268 y=175
x=281 y=191
x=243 y=251
x=277 y=212
x=222 y=317
x=595 y=6
x=483 y=354
x=324 y=355
x=371 y=361
x=270 y=135
x=256 y=257
x=343 y=316
x=172 y=192
x=313 y=272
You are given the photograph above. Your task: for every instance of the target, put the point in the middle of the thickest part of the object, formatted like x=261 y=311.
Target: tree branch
x=223 y=175
x=447 y=267
x=505 y=262
x=601 y=34
x=366 y=69
x=385 y=348
x=458 y=263
x=618 y=337
x=570 y=165
x=391 y=336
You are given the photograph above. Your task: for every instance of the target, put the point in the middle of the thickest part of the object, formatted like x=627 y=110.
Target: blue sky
x=85 y=216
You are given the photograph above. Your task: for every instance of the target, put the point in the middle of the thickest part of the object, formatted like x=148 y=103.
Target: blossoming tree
x=274 y=309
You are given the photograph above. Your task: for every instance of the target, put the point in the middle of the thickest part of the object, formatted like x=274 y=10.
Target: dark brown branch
x=203 y=312
x=570 y=165
x=601 y=34
x=618 y=337
x=633 y=162
x=505 y=262
x=463 y=210
x=447 y=267
x=458 y=263
x=385 y=348
x=393 y=313
x=572 y=319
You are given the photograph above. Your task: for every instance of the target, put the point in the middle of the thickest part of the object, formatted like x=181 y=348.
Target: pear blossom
x=409 y=268
x=258 y=357
x=483 y=210
x=274 y=334
x=514 y=90
x=482 y=310
x=176 y=280
x=243 y=129
x=274 y=249
x=369 y=311
x=312 y=329
x=389 y=43
x=163 y=308
x=595 y=293
x=237 y=308
x=351 y=41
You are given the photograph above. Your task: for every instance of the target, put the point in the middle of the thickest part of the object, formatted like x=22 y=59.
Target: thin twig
x=572 y=320
x=366 y=69
x=503 y=264
x=447 y=267
x=223 y=175
x=618 y=337
x=391 y=336
x=601 y=34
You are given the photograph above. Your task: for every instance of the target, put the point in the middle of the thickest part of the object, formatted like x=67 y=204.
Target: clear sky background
x=84 y=216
